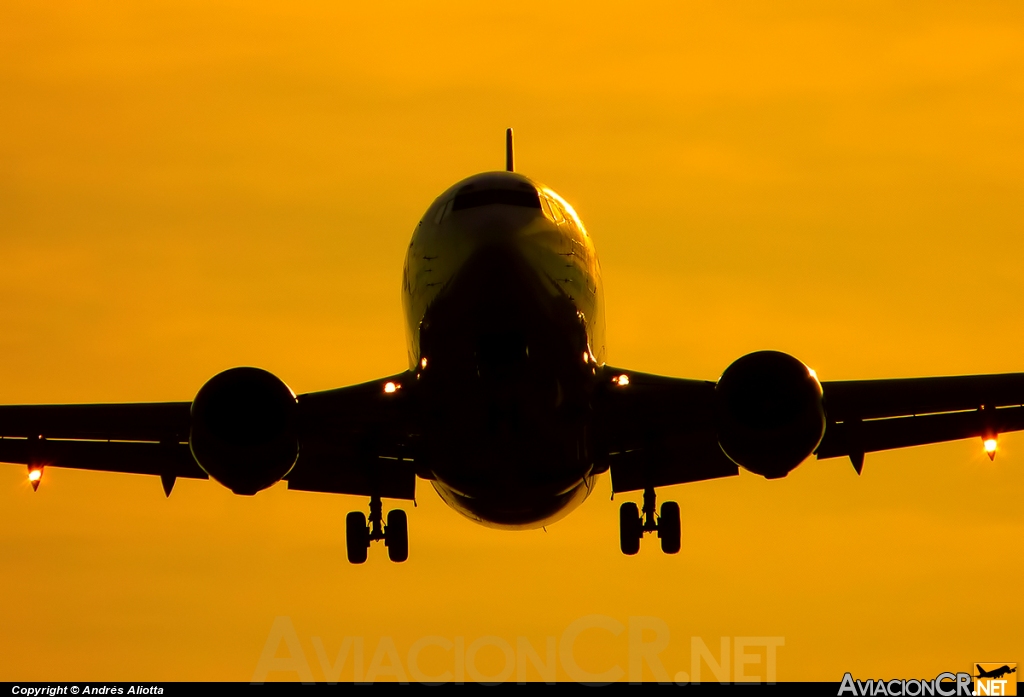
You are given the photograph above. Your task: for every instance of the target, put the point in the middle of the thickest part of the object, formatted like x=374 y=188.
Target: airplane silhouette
x=508 y=407
x=996 y=673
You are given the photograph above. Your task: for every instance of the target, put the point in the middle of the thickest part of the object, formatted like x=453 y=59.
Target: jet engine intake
x=244 y=431
x=770 y=413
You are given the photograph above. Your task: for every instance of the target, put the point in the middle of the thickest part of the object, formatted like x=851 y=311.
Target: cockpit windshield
x=508 y=197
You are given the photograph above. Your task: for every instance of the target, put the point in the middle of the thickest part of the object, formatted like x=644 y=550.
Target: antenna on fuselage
x=509 y=165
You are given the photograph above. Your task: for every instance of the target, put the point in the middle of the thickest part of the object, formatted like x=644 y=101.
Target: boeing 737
x=507 y=406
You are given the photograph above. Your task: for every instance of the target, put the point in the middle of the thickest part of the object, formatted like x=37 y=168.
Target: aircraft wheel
x=396 y=536
x=630 y=528
x=357 y=537
x=669 y=529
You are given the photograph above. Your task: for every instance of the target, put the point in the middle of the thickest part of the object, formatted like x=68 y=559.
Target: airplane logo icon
x=991 y=679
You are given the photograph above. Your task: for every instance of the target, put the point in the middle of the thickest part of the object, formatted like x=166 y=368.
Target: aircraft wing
x=358 y=440
x=657 y=431
x=133 y=438
x=653 y=431
x=648 y=430
x=869 y=415
x=353 y=440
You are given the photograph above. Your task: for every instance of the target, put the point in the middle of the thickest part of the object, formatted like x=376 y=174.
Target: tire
x=357 y=537
x=630 y=529
x=669 y=529
x=396 y=536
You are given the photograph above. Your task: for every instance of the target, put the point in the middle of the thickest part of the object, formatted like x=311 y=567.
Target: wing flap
x=679 y=461
x=166 y=459
x=857 y=437
x=386 y=478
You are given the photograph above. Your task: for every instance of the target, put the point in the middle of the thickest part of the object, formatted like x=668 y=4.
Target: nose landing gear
x=633 y=525
x=359 y=535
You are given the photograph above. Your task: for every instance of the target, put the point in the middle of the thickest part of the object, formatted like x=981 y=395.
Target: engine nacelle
x=243 y=429
x=770 y=413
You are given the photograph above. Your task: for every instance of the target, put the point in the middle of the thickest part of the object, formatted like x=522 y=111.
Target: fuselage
x=505 y=326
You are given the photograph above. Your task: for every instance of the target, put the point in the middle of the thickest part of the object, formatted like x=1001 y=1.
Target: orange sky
x=188 y=187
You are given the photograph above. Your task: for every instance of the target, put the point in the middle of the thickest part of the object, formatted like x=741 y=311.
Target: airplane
x=508 y=407
x=996 y=673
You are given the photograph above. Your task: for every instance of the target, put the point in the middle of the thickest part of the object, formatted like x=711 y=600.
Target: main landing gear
x=632 y=525
x=359 y=535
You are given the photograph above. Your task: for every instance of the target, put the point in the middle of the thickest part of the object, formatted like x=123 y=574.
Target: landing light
x=991 y=445
x=390 y=387
x=586 y=357
x=35 y=474
x=621 y=380
x=423 y=362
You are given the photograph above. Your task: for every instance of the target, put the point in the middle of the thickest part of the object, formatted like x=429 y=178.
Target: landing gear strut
x=633 y=525
x=359 y=535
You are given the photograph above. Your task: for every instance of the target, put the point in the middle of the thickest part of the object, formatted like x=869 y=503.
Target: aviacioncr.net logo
x=944 y=685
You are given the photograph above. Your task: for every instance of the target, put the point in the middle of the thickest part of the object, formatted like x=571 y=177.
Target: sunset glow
x=191 y=186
